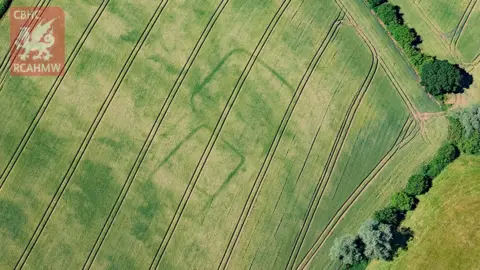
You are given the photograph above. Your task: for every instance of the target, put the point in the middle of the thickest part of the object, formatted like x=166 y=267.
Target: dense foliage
x=440 y=77
x=444 y=156
x=388 y=215
x=375 y=3
x=417 y=185
x=377 y=238
x=388 y=13
x=347 y=249
x=402 y=201
x=464 y=130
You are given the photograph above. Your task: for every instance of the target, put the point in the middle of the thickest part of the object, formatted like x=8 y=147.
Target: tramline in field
x=204 y=134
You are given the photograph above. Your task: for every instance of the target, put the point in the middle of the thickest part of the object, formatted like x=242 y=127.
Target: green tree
x=348 y=249
x=375 y=3
x=455 y=130
x=445 y=155
x=388 y=215
x=470 y=119
x=417 y=184
x=470 y=145
x=440 y=77
x=377 y=238
x=403 y=35
x=388 y=13
x=402 y=201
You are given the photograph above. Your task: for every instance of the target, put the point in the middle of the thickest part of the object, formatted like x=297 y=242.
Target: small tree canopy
x=403 y=35
x=388 y=215
x=402 y=201
x=470 y=145
x=377 y=238
x=375 y=3
x=417 y=184
x=445 y=155
x=347 y=249
x=388 y=13
x=440 y=77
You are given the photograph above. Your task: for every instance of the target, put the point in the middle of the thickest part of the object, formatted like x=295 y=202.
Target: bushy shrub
x=389 y=215
x=445 y=155
x=402 y=201
x=388 y=13
x=358 y=266
x=417 y=184
x=455 y=130
x=440 y=77
x=375 y=3
x=347 y=249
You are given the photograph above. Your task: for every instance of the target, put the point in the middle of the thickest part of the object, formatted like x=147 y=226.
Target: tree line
x=381 y=236
x=439 y=77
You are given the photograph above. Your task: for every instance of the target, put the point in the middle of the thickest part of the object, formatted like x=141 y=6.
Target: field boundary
x=86 y=141
x=253 y=194
x=51 y=93
x=215 y=134
x=151 y=135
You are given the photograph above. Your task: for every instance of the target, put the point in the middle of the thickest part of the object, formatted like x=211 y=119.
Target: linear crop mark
x=151 y=135
x=51 y=93
x=86 y=141
x=332 y=159
x=218 y=127
x=252 y=196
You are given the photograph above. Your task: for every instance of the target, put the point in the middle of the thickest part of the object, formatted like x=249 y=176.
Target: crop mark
x=404 y=137
x=222 y=62
x=91 y=131
x=253 y=194
x=152 y=134
x=56 y=84
x=218 y=127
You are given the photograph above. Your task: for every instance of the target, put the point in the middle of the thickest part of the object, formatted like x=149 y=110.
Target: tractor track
x=51 y=93
x=334 y=154
x=407 y=134
x=215 y=134
x=253 y=194
x=86 y=141
x=151 y=135
x=461 y=24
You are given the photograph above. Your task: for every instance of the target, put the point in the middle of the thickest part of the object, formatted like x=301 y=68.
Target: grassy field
x=445 y=222
x=203 y=134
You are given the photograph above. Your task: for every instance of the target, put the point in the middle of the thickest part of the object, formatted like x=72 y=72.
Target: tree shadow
x=466 y=80
x=401 y=238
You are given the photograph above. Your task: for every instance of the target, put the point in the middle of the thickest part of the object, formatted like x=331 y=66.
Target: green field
x=445 y=222
x=206 y=134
